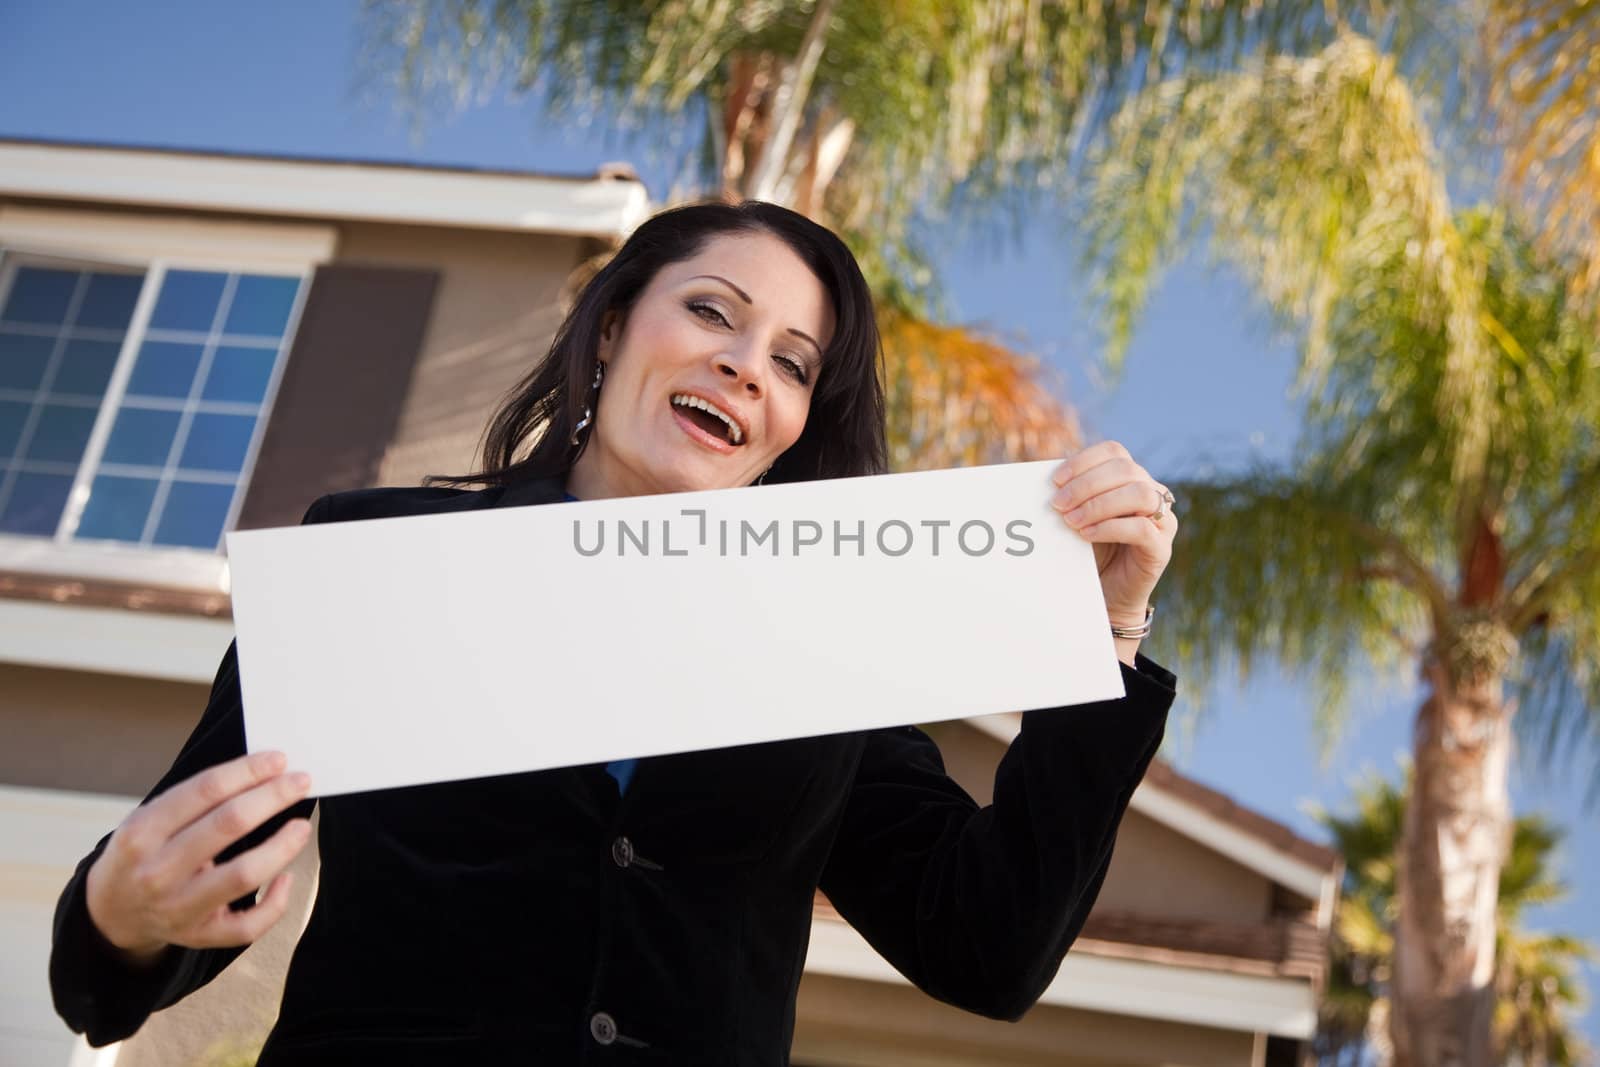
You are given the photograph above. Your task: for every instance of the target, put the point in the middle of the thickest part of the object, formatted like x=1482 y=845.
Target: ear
x=610 y=332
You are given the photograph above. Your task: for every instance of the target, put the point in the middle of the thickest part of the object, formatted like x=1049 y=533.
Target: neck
x=592 y=478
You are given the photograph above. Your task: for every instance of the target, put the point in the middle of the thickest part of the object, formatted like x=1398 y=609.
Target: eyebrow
x=746 y=298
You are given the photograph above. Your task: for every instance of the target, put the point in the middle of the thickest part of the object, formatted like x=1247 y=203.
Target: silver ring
x=1160 y=512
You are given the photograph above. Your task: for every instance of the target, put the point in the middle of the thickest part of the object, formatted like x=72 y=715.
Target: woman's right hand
x=157 y=883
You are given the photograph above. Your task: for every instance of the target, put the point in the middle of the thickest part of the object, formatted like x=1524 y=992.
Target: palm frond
x=1546 y=77
x=1301 y=172
x=1276 y=563
x=991 y=96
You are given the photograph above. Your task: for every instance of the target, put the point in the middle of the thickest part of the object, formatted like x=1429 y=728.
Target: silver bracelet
x=1142 y=630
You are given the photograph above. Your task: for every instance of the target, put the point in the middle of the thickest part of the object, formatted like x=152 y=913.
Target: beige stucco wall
x=970 y=756
x=843 y=1022
x=1154 y=870
x=1157 y=871
x=97 y=733
x=494 y=313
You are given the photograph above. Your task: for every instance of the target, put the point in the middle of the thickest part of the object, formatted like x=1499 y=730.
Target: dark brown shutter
x=340 y=396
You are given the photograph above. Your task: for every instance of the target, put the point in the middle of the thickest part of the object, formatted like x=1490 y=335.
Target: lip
x=700 y=435
x=716 y=444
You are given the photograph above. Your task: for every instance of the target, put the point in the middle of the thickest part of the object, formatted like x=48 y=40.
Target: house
x=197 y=342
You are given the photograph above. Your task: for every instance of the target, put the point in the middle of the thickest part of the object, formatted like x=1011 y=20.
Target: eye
x=792 y=366
x=708 y=312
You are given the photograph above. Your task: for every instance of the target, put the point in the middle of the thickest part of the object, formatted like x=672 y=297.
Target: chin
x=690 y=478
x=678 y=465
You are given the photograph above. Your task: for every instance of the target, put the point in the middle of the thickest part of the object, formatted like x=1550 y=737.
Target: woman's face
x=709 y=378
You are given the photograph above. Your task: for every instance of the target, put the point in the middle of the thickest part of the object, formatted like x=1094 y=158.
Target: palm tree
x=857 y=112
x=1442 y=510
x=1536 y=984
x=860 y=109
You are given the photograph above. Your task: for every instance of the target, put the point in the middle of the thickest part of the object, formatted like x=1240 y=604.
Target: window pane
x=22 y=360
x=86 y=367
x=217 y=442
x=164 y=369
x=141 y=437
x=108 y=305
x=61 y=433
x=188 y=301
x=117 y=508
x=12 y=416
x=35 y=504
x=194 y=514
x=261 y=305
x=239 y=374
x=40 y=296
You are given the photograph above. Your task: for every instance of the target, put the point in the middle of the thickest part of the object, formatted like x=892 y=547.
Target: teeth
x=735 y=434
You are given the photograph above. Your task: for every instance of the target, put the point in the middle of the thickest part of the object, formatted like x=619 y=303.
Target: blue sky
x=1204 y=381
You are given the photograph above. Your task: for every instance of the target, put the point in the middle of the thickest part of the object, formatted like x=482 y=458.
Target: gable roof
x=1220 y=805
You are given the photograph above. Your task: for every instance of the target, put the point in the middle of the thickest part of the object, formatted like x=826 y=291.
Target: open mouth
x=708 y=417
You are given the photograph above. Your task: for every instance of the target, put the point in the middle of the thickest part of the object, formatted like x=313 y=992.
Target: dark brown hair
x=844 y=431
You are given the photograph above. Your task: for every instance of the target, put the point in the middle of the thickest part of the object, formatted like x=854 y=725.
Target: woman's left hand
x=1109 y=499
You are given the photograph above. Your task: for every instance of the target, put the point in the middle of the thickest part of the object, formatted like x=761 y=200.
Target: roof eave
x=604 y=207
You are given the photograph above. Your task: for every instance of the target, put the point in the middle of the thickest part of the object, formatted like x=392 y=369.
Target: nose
x=743 y=365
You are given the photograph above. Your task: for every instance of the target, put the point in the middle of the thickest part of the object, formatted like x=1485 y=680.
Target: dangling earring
x=588 y=409
x=763 y=479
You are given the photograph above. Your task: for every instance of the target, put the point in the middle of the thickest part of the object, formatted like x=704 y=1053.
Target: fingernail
x=1075 y=517
x=300 y=781
x=1061 y=501
x=270 y=761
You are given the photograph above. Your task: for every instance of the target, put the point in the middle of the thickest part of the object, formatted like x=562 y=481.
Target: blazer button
x=622 y=852
x=603 y=1028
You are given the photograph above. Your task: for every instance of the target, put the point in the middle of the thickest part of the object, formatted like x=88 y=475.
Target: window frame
x=155 y=245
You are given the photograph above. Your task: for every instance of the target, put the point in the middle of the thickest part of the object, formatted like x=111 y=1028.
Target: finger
x=1121 y=498
x=226 y=927
x=1096 y=480
x=223 y=825
x=193 y=797
x=1084 y=459
x=1128 y=530
x=243 y=874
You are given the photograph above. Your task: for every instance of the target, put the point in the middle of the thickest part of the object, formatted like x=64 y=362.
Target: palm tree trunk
x=789 y=102
x=829 y=142
x=1456 y=832
x=747 y=86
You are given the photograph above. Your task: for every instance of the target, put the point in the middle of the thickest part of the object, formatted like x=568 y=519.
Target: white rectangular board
x=429 y=648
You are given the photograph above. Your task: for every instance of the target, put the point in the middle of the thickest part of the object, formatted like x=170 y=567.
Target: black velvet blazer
x=543 y=918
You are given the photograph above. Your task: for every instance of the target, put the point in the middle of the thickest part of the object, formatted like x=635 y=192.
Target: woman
x=650 y=911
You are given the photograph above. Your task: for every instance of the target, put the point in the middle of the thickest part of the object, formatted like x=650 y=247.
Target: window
x=132 y=398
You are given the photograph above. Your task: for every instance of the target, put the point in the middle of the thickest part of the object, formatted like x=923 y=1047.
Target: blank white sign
x=392 y=652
